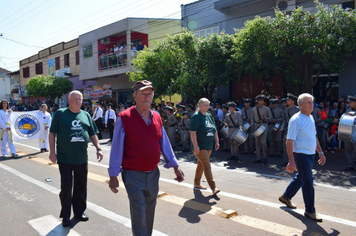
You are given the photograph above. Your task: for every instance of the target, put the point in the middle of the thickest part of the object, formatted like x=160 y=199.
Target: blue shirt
x=301 y=130
x=117 y=148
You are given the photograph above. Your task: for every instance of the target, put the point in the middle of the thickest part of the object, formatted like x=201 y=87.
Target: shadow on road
x=21 y=155
x=197 y=206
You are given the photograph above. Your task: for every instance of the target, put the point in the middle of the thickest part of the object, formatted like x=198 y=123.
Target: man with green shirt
x=74 y=128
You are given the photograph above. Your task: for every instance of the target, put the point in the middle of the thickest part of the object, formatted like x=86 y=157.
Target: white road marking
x=258 y=201
x=92 y=206
x=49 y=225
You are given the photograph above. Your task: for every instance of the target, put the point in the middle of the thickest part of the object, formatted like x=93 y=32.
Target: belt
x=2 y=133
x=231 y=127
x=172 y=125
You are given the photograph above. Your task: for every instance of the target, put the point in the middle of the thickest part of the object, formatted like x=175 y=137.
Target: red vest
x=142 y=149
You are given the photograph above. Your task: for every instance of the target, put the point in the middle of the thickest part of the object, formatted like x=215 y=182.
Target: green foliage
x=49 y=87
x=186 y=64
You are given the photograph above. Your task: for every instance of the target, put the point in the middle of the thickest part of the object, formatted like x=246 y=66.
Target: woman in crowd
x=45 y=118
x=5 y=130
x=204 y=136
x=340 y=109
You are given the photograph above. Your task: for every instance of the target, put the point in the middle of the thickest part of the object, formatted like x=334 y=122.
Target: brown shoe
x=286 y=201
x=216 y=191
x=313 y=216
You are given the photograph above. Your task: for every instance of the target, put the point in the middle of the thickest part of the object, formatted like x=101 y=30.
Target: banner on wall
x=51 y=67
x=97 y=91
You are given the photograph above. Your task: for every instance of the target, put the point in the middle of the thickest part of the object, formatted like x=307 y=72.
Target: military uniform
x=249 y=143
x=184 y=134
x=350 y=147
x=225 y=139
x=261 y=141
x=288 y=113
x=234 y=122
x=275 y=137
x=172 y=127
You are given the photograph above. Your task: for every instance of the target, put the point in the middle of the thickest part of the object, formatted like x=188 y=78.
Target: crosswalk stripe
x=49 y=225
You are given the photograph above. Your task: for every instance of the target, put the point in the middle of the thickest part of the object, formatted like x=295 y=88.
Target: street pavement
x=30 y=205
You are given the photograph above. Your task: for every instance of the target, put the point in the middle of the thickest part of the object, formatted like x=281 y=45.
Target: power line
x=11 y=15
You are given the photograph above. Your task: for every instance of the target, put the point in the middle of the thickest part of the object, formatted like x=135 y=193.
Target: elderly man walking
x=301 y=145
x=139 y=139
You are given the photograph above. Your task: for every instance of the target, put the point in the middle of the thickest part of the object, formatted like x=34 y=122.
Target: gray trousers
x=285 y=154
x=184 y=135
x=234 y=146
x=350 y=149
x=249 y=145
x=142 y=190
x=275 y=142
x=261 y=144
x=172 y=135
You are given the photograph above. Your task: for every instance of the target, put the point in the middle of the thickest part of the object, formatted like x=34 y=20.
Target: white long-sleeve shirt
x=111 y=114
x=4 y=118
x=98 y=113
x=45 y=118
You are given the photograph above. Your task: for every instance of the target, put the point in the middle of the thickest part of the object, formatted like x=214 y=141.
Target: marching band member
x=233 y=120
x=246 y=111
x=275 y=135
x=5 y=130
x=45 y=120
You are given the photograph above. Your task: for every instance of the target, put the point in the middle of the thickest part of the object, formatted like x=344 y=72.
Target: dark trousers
x=79 y=197
x=110 y=125
x=99 y=125
x=303 y=179
x=142 y=190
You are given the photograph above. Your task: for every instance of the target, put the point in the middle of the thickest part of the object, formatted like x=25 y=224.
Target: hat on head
x=141 y=85
x=108 y=105
x=192 y=106
x=284 y=99
x=185 y=113
x=260 y=97
x=292 y=96
x=169 y=108
x=231 y=104
x=224 y=106
x=351 y=98
x=273 y=101
x=247 y=100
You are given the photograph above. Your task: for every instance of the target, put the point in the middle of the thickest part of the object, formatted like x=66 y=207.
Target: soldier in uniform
x=233 y=120
x=225 y=140
x=288 y=113
x=350 y=147
x=275 y=136
x=184 y=126
x=249 y=146
x=284 y=104
x=260 y=116
x=171 y=122
x=191 y=110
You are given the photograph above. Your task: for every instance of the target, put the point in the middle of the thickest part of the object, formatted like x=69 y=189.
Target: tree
x=49 y=87
x=187 y=65
x=298 y=46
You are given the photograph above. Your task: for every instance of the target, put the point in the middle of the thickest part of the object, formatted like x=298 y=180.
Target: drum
x=275 y=128
x=347 y=128
x=259 y=131
x=240 y=136
x=224 y=132
x=246 y=127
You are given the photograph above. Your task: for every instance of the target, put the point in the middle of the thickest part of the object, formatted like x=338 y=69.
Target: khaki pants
x=234 y=146
x=185 y=139
x=261 y=145
x=204 y=166
x=172 y=135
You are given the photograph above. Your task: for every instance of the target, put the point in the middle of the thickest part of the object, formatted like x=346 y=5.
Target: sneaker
x=313 y=216
x=14 y=154
x=288 y=202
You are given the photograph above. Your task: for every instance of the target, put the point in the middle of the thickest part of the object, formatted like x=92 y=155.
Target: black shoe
x=264 y=161
x=237 y=158
x=349 y=168
x=82 y=217
x=258 y=161
x=66 y=221
x=231 y=158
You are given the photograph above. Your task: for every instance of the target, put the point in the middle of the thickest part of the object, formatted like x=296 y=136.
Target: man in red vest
x=139 y=139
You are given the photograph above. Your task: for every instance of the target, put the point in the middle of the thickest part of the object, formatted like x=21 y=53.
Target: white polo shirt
x=301 y=129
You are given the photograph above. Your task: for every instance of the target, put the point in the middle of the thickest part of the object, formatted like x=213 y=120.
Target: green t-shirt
x=204 y=125
x=73 y=134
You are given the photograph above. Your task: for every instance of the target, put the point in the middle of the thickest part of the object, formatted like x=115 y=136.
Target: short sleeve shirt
x=205 y=128
x=301 y=129
x=73 y=134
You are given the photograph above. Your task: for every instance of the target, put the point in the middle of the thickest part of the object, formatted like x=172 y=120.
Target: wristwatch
x=321 y=153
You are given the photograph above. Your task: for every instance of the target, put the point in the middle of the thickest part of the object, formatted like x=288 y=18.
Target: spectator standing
x=301 y=146
x=73 y=128
x=138 y=141
x=203 y=136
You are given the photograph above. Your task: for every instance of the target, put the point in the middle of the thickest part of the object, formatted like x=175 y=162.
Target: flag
x=25 y=125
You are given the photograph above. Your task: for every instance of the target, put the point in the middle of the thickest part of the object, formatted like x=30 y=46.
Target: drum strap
x=288 y=113
x=258 y=113
x=232 y=121
x=246 y=114
x=274 y=117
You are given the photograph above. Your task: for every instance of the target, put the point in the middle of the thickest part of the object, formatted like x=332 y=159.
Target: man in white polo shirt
x=301 y=145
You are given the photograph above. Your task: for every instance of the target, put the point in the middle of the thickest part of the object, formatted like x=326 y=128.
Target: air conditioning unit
x=286 y=5
x=105 y=41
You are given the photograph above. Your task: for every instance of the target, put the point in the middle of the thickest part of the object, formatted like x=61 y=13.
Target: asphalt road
x=30 y=205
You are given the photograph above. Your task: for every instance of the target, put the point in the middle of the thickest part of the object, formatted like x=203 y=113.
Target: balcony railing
x=119 y=59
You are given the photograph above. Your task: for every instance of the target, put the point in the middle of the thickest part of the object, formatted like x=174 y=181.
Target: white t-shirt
x=301 y=129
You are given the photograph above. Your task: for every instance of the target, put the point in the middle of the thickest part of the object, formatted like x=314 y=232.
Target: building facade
x=205 y=17
x=106 y=53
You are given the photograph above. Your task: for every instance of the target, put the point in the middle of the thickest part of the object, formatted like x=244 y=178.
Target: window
x=77 y=57
x=87 y=51
x=58 y=64
x=26 y=72
x=39 y=68
x=206 y=32
x=66 y=60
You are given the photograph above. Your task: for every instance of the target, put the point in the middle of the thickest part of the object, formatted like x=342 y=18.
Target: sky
x=28 y=26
